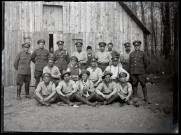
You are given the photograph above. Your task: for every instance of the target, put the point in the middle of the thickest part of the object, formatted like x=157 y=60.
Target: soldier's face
x=137 y=47
x=107 y=78
x=74 y=62
x=93 y=63
x=50 y=63
x=26 y=49
x=46 y=79
x=41 y=45
x=122 y=79
x=102 y=48
x=89 y=51
x=114 y=63
x=60 y=46
x=110 y=47
x=127 y=48
x=66 y=77
x=79 y=48
x=84 y=77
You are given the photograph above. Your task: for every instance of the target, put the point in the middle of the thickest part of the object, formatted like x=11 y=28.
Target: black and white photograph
x=90 y=67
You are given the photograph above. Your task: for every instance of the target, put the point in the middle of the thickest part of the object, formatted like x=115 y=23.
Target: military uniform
x=137 y=68
x=103 y=57
x=124 y=57
x=61 y=58
x=22 y=65
x=40 y=58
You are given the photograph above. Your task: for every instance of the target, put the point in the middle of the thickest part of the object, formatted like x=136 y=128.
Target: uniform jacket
x=22 y=63
x=40 y=58
x=61 y=59
x=138 y=62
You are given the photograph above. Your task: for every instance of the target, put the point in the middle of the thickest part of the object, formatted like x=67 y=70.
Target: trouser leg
x=113 y=98
x=37 y=81
x=19 y=92
x=64 y=99
x=135 y=91
x=83 y=100
x=53 y=99
x=92 y=96
x=99 y=98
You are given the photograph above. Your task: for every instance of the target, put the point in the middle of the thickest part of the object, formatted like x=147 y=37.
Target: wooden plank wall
x=90 y=22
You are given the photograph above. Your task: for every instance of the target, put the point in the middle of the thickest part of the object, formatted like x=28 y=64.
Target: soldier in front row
x=61 y=57
x=40 y=58
x=22 y=64
x=137 y=67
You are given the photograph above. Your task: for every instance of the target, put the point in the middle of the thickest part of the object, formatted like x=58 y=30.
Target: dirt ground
x=27 y=116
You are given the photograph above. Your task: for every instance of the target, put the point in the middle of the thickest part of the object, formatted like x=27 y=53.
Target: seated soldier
x=53 y=70
x=85 y=86
x=95 y=72
x=115 y=69
x=67 y=91
x=45 y=92
x=106 y=89
x=124 y=91
x=74 y=69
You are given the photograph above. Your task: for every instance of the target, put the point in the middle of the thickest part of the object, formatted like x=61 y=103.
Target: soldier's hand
x=126 y=99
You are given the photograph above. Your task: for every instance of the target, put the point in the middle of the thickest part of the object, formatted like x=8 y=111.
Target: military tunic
x=61 y=59
x=137 y=67
x=22 y=65
x=40 y=58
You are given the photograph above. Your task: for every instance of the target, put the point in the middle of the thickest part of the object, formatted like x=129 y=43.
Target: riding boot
x=27 y=91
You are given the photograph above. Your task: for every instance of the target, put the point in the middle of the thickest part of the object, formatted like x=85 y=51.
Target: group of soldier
x=90 y=79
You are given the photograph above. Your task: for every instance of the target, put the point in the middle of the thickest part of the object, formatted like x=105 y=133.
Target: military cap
x=106 y=73
x=127 y=44
x=27 y=45
x=89 y=47
x=110 y=43
x=115 y=58
x=64 y=73
x=78 y=43
x=46 y=75
x=74 y=58
x=41 y=41
x=60 y=42
x=84 y=72
x=136 y=43
x=122 y=74
x=94 y=59
x=102 y=44
x=51 y=58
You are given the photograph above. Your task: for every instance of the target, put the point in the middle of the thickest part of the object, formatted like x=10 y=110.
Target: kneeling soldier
x=53 y=70
x=67 y=91
x=22 y=64
x=85 y=86
x=106 y=89
x=45 y=92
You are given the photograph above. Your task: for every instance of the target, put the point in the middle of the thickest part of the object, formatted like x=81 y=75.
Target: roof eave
x=135 y=18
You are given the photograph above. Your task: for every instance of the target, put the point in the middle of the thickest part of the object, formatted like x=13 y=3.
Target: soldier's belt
x=103 y=64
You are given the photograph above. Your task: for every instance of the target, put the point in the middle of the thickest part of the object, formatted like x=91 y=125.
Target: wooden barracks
x=89 y=22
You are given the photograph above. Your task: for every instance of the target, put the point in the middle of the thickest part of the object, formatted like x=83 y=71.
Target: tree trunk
x=143 y=20
x=152 y=28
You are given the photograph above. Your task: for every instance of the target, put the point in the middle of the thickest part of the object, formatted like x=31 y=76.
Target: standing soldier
x=22 y=64
x=124 y=56
x=61 y=57
x=81 y=55
x=104 y=57
x=40 y=58
x=137 y=67
x=111 y=51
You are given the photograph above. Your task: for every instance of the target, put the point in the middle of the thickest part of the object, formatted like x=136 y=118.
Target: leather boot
x=18 y=92
x=135 y=91
x=27 y=91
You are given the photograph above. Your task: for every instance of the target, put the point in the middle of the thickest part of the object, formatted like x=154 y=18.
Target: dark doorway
x=51 y=42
